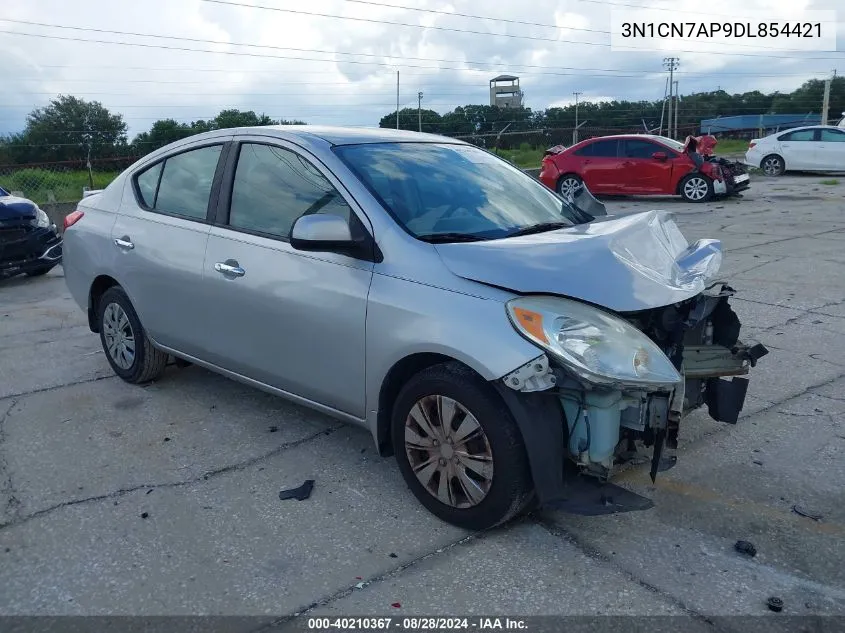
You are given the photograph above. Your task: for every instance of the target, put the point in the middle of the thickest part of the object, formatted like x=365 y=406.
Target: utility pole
x=671 y=64
x=677 y=103
x=575 y=131
x=826 y=101
x=397 y=99
x=419 y=109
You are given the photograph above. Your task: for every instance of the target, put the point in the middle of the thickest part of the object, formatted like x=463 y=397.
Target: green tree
x=69 y=128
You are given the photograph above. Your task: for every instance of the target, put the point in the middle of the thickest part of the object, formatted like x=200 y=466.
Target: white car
x=808 y=148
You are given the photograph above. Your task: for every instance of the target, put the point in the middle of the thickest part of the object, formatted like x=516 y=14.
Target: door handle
x=124 y=242
x=229 y=267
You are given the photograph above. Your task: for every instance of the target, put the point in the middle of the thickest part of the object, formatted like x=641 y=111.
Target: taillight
x=751 y=144
x=72 y=218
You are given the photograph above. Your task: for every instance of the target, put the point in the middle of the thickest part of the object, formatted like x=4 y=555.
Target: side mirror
x=321 y=232
x=659 y=156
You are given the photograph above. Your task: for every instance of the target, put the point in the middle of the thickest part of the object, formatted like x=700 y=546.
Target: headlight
x=596 y=346
x=42 y=220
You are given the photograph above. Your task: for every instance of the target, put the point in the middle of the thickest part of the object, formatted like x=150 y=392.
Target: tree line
x=473 y=120
x=73 y=129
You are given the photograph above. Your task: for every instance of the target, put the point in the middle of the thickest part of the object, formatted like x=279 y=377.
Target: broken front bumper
x=578 y=435
x=24 y=249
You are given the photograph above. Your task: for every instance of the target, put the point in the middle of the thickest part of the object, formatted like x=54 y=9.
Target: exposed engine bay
x=610 y=427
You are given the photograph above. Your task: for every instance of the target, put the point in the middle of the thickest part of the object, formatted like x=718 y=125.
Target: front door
x=641 y=173
x=290 y=319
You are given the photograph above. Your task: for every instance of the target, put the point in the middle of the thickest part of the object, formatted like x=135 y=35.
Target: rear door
x=600 y=165
x=641 y=172
x=831 y=150
x=291 y=319
x=799 y=149
x=160 y=236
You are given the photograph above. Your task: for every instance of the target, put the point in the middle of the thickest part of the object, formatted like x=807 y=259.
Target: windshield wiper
x=539 y=228
x=439 y=238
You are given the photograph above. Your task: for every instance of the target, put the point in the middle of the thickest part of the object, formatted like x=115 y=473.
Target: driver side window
x=273 y=187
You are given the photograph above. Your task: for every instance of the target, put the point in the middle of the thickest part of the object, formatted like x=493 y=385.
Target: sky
x=335 y=61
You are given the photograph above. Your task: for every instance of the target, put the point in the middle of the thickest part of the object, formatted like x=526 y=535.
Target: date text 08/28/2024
x=417 y=623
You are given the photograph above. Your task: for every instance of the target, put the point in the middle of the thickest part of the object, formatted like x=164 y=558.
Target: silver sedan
x=511 y=348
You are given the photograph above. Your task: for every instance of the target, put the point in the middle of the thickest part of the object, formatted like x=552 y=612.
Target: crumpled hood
x=14 y=208
x=625 y=264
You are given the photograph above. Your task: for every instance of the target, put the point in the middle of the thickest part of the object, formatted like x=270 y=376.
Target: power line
x=708 y=73
x=484 y=33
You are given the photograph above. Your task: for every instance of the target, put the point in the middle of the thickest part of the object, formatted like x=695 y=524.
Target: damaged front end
x=633 y=413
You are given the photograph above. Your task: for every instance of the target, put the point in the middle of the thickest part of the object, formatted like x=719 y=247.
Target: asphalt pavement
x=164 y=500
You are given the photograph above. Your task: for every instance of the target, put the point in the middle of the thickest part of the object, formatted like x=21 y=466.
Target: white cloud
x=146 y=83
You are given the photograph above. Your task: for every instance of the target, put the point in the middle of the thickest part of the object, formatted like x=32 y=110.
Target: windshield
x=454 y=191
x=671 y=143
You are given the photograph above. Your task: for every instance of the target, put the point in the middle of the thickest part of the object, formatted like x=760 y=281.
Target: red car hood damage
x=704 y=144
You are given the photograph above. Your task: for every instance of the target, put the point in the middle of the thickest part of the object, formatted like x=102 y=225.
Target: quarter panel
x=87 y=252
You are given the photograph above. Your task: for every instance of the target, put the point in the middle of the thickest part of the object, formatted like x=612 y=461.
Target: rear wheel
x=128 y=349
x=773 y=165
x=696 y=188
x=459 y=449
x=568 y=185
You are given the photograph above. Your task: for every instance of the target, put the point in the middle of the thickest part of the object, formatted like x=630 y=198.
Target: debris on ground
x=360 y=585
x=745 y=547
x=300 y=494
x=806 y=513
x=273 y=429
x=144 y=515
x=775 y=604
x=392 y=555
x=396 y=605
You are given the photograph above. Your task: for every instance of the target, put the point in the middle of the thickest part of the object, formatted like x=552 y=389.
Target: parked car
x=808 y=148
x=643 y=164
x=29 y=242
x=483 y=329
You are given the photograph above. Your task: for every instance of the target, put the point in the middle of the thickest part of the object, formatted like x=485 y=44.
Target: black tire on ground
x=38 y=272
x=773 y=165
x=568 y=182
x=511 y=489
x=696 y=187
x=149 y=362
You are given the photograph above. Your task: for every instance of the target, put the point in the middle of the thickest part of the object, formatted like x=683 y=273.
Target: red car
x=644 y=164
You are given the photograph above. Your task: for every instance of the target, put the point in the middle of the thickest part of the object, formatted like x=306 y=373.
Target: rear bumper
x=36 y=250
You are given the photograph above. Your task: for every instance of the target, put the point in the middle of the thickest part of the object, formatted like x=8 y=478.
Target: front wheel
x=128 y=349
x=696 y=188
x=459 y=448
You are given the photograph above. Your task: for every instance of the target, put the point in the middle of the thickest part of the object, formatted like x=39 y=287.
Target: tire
x=146 y=363
x=505 y=492
x=696 y=188
x=567 y=183
x=39 y=272
x=773 y=165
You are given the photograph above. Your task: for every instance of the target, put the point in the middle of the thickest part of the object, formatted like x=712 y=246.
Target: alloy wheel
x=695 y=189
x=568 y=187
x=119 y=337
x=771 y=166
x=448 y=451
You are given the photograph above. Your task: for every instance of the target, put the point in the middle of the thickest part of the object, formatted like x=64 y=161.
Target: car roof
x=333 y=135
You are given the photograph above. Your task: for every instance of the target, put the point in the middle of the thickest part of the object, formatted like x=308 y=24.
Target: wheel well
x=398 y=375
x=98 y=288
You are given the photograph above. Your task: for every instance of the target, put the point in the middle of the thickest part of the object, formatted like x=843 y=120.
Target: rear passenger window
x=800 y=135
x=147 y=184
x=186 y=182
x=273 y=187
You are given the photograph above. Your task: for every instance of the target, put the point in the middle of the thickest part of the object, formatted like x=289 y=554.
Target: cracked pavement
x=163 y=500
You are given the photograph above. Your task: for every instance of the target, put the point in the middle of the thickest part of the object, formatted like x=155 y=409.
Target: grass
x=65 y=186
x=829 y=181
